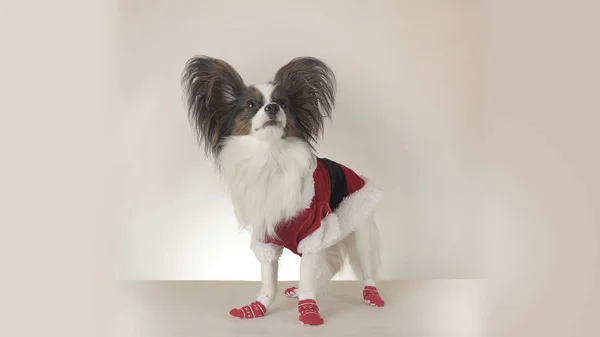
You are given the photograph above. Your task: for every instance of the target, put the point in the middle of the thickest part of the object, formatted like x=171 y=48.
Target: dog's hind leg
x=365 y=261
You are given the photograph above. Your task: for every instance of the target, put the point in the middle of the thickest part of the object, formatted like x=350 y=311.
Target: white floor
x=200 y=308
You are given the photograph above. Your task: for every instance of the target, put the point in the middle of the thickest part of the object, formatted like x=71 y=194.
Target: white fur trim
x=328 y=234
x=352 y=212
x=266 y=252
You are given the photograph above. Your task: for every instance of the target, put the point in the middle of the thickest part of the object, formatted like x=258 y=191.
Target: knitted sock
x=253 y=310
x=371 y=297
x=291 y=292
x=309 y=312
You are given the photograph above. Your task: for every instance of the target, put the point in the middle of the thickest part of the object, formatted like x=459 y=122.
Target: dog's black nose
x=272 y=109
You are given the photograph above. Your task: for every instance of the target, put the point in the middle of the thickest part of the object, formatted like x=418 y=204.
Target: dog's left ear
x=310 y=86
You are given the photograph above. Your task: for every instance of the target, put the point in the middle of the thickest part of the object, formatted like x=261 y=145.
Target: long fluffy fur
x=211 y=87
x=311 y=86
x=267 y=183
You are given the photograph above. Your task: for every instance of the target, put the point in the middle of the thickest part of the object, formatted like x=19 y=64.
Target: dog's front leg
x=268 y=256
x=268 y=287
x=310 y=269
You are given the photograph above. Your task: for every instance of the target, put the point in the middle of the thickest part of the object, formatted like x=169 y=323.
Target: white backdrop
x=410 y=93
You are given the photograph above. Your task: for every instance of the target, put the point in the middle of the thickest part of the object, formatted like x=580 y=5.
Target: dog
x=262 y=139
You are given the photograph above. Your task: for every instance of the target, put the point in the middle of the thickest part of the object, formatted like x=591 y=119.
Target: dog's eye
x=282 y=103
x=250 y=104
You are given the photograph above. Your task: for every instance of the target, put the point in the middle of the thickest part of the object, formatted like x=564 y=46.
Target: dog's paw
x=291 y=292
x=309 y=313
x=253 y=310
x=372 y=298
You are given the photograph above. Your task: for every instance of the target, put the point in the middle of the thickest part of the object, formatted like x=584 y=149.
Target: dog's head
x=294 y=104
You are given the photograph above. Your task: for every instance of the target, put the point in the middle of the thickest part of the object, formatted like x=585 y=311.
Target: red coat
x=333 y=182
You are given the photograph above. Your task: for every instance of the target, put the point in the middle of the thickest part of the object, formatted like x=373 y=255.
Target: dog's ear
x=309 y=83
x=211 y=88
x=310 y=86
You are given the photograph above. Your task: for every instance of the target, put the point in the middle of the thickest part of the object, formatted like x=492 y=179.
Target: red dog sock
x=371 y=297
x=309 y=312
x=254 y=310
x=291 y=292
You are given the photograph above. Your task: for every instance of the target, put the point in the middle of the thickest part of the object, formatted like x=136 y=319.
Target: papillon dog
x=262 y=139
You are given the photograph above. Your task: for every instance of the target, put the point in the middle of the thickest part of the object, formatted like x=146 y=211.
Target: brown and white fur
x=262 y=138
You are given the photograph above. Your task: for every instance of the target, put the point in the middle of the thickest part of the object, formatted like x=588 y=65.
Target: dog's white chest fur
x=268 y=181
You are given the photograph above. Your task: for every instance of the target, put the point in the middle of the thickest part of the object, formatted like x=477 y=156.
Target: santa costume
x=342 y=201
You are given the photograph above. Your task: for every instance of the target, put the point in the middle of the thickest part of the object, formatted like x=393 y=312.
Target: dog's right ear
x=211 y=88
